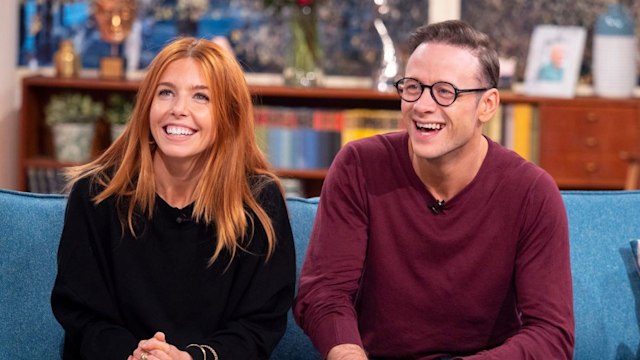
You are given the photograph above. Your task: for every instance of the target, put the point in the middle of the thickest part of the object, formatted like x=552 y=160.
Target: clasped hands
x=157 y=348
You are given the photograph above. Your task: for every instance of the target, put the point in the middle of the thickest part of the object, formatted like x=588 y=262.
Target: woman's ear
x=489 y=104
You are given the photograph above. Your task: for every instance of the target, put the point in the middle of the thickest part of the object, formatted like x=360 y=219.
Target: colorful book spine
x=493 y=127
x=522 y=129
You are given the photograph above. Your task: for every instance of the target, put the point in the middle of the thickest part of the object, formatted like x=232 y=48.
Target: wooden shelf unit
x=580 y=140
x=35 y=140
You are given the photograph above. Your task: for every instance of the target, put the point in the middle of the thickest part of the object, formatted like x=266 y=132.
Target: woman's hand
x=157 y=348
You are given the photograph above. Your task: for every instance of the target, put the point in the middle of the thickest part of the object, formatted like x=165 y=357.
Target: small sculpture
x=67 y=60
x=389 y=68
x=115 y=19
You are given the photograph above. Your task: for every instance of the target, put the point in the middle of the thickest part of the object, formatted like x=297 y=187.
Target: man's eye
x=412 y=87
x=445 y=92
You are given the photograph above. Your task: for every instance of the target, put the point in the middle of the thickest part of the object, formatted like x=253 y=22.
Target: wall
x=10 y=95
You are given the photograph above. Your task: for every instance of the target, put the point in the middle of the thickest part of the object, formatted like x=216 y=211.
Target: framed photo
x=553 y=63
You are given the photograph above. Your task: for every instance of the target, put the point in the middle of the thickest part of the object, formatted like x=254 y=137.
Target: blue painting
x=257 y=34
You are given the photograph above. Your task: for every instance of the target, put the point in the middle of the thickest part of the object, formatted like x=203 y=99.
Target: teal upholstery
x=606 y=286
x=30 y=227
x=601 y=225
x=296 y=345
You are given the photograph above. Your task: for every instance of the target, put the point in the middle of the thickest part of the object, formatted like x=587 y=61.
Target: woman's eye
x=164 y=92
x=201 y=97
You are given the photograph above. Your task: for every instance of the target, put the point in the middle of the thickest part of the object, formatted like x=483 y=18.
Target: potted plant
x=72 y=118
x=117 y=113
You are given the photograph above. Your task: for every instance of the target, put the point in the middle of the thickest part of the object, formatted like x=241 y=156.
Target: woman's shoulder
x=264 y=187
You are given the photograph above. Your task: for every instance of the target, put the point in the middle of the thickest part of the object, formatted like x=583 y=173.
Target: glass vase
x=303 y=58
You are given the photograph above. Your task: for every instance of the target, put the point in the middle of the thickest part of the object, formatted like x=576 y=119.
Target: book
x=493 y=127
x=522 y=129
x=361 y=123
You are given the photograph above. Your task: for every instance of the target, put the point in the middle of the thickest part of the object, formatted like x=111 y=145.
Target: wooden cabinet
x=581 y=141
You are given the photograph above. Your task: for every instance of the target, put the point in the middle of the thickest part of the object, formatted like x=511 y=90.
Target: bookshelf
x=578 y=141
x=36 y=149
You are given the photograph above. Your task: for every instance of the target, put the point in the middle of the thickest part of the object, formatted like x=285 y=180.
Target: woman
x=176 y=242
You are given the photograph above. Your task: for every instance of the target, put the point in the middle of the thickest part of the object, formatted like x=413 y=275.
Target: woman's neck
x=176 y=180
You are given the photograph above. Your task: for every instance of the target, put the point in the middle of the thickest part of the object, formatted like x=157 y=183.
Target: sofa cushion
x=634 y=250
x=606 y=290
x=296 y=345
x=30 y=230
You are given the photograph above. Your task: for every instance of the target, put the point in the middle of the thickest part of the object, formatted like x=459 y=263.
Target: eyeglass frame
x=457 y=91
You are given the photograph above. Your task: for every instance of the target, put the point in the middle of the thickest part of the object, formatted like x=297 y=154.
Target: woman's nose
x=179 y=107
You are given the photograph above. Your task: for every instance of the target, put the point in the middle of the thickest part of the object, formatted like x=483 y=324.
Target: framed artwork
x=553 y=63
x=257 y=34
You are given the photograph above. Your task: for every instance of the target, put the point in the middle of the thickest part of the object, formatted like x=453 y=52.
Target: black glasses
x=442 y=92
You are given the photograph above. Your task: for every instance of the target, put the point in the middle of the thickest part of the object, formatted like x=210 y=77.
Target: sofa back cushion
x=295 y=344
x=30 y=227
x=606 y=286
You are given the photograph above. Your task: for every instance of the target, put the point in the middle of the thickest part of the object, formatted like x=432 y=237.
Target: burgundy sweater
x=488 y=277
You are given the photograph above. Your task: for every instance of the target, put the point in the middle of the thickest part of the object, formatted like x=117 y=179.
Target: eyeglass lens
x=411 y=90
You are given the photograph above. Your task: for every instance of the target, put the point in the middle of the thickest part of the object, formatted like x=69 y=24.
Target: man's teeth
x=429 y=126
x=176 y=130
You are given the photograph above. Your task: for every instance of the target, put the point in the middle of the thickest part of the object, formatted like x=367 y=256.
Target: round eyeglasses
x=442 y=92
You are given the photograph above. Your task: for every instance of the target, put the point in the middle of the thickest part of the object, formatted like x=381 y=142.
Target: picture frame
x=554 y=59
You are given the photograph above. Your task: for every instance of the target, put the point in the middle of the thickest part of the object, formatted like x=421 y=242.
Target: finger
x=154 y=344
x=141 y=355
x=160 y=336
x=158 y=355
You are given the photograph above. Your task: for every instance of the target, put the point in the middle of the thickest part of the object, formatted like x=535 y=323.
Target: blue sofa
x=606 y=284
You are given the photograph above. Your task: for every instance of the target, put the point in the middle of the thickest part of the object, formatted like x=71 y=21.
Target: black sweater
x=112 y=291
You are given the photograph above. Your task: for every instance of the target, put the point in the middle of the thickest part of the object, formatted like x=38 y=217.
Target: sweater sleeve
x=543 y=282
x=264 y=291
x=92 y=324
x=334 y=261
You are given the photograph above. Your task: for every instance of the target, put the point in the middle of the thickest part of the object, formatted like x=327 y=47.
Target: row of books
x=516 y=126
x=306 y=138
x=45 y=180
x=51 y=181
x=303 y=138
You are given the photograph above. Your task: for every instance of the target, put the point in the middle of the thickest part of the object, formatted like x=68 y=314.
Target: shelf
x=562 y=132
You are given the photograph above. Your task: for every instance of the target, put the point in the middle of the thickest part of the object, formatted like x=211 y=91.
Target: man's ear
x=489 y=104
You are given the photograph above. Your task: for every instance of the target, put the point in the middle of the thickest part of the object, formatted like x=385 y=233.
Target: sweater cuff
x=335 y=332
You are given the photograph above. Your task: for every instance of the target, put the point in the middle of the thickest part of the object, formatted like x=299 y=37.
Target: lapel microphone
x=437 y=207
x=182 y=218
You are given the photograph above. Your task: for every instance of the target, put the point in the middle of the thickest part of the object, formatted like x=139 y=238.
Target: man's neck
x=445 y=177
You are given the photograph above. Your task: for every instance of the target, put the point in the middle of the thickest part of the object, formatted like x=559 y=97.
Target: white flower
x=192 y=9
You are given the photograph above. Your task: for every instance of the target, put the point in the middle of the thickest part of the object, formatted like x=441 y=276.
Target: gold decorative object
x=115 y=18
x=67 y=60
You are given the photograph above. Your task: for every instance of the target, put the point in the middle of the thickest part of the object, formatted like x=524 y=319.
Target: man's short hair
x=461 y=34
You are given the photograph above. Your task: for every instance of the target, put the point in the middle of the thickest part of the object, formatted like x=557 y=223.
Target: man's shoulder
x=512 y=168
x=386 y=142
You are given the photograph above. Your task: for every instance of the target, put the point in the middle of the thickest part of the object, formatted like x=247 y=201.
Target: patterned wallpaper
x=510 y=22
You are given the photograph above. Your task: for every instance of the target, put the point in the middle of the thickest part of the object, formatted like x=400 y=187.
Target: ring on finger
x=144 y=356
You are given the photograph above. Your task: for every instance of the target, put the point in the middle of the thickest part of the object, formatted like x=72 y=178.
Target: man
x=553 y=69
x=436 y=242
